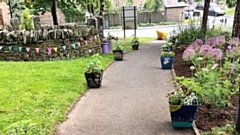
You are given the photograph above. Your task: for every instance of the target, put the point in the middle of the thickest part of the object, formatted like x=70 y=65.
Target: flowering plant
x=167 y=54
x=215 y=69
x=180 y=97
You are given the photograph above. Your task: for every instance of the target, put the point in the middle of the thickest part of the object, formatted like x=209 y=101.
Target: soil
x=206 y=117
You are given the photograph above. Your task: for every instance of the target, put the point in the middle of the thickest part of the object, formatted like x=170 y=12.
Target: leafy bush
x=187 y=34
x=229 y=129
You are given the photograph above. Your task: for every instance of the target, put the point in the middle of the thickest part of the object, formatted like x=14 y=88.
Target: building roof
x=174 y=3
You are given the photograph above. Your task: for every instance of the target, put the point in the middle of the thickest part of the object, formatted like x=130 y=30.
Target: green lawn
x=230 y=11
x=36 y=95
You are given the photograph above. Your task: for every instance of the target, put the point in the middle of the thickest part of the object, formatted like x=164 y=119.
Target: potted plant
x=183 y=107
x=135 y=43
x=94 y=72
x=166 y=59
x=167 y=46
x=118 y=50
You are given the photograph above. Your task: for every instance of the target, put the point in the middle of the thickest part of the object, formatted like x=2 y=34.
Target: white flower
x=199 y=58
x=192 y=67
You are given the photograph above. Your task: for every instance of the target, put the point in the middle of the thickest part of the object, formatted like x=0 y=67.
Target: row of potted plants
x=107 y=43
x=94 y=70
x=167 y=55
x=182 y=104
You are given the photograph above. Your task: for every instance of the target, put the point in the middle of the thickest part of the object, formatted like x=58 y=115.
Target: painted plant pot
x=118 y=55
x=94 y=80
x=105 y=48
x=182 y=116
x=135 y=45
x=166 y=62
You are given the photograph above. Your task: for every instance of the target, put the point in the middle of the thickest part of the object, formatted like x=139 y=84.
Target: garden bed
x=206 y=117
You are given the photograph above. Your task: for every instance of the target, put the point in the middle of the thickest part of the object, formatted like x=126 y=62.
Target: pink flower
x=188 y=54
x=229 y=47
x=199 y=41
x=214 y=66
x=220 y=40
x=211 y=41
x=205 y=50
x=216 y=54
x=194 y=46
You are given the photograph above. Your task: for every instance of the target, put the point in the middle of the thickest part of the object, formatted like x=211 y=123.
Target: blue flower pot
x=166 y=62
x=182 y=116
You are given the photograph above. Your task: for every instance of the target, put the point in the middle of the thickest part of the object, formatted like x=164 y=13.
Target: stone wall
x=49 y=43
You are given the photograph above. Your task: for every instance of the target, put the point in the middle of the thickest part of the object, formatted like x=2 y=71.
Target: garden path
x=131 y=101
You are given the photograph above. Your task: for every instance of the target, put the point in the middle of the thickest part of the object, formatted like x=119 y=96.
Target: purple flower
x=216 y=54
x=205 y=50
x=234 y=41
x=188 y=54
x=194 y=46
x=199 y=41
x=220 y=40
x=211 y=41
x=229 y=47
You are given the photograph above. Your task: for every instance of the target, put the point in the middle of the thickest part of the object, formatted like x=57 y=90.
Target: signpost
x=129 y=14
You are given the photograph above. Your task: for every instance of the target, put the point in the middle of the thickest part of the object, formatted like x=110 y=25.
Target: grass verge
x=36 y=95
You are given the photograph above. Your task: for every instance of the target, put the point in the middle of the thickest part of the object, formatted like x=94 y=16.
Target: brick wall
x=174 y=14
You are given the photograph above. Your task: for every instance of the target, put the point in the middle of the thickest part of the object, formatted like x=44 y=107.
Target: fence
x=143 y=17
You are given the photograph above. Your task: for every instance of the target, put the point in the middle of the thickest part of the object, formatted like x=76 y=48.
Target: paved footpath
x=131 y=101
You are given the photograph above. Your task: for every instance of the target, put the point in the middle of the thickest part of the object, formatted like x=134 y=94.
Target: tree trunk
x=236 y=21
x=54 y=12
x=102 y=5
x=205 y=17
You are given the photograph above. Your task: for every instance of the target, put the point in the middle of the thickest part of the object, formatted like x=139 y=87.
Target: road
x=151 y=31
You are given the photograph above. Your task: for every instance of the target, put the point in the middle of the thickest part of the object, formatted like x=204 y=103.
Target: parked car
x=215 y=11
x=186 y=15
x=200 y=6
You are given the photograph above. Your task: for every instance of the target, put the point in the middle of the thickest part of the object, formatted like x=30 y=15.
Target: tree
x=153 y=5
x=102 y=5
x=52 y=6
x=205 y=16
x=236 y=21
